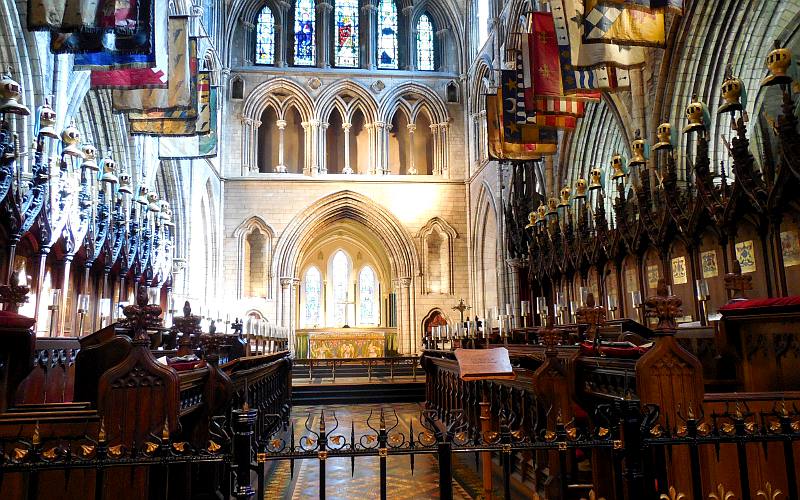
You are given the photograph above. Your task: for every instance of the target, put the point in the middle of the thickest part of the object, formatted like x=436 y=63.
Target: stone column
x=514 y=266
x=346 y=128
x=306 y=148
x=293 y=305
x=442 y=51
x=323 y=36
x=436 y=152
x=286 y=302
x=407 y=28
x=313 y=151
x=412 y=168
x=247 y=138
x=444 y=145
x=281 y=34
x=323 y=137
x=369 y=13
x=280 y=167
x=405 y=291
x=386 y=169
x=549 y=177
x=401 y=285
x=249 y=28
x=379 y=131
x=370 y=128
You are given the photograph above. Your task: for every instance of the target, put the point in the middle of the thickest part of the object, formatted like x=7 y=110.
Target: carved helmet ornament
x=639 y=148
x=564 y=202
x=596 y=176
x=779 y=63
x=697 y=113
x=580 y=189
x=90 y=158
x=664 y=134
x=70 y=138
x=109 y=172
x=542 y=212
x=47 y=120
x=11 y=95
x=734 y=94
x=617 y=166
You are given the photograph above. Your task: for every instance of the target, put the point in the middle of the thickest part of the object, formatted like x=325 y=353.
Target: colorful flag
x=622 y=24
x=500 y=148
x=199 y=146
x=575 y=55
x=115 y=60
x=177 y=95
x=129 y=31
x=672 y=5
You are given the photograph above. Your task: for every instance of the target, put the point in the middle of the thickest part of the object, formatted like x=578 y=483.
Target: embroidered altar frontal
x=346 y=345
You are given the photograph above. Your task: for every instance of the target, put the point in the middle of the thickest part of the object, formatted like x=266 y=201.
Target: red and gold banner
x=545 y=66
x=500 y=149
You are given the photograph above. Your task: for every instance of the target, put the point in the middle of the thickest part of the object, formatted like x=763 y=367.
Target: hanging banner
x=199 y=146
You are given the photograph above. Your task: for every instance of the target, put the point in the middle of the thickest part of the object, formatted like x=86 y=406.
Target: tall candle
x=525 y=307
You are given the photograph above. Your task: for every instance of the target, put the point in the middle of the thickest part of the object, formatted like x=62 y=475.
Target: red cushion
x=10 y=319
x=759 y=303
x=587 y=349
x=186 y=365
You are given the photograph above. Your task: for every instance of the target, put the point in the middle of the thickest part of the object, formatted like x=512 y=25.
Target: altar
x=346 y=343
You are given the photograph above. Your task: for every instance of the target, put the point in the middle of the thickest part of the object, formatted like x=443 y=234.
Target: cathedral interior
x=401 y=249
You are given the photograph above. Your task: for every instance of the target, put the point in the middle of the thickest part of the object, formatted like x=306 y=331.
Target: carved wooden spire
x=737 y=283
x=664 y=307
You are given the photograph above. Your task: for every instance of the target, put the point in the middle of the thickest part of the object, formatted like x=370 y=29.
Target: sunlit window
x=304 y=33
x=346 y=15
x=387 y=35
x=483 y=21
x=312 y=287
x=425 y=53
x=368 y=310
x=340 y=279
x=265 y=37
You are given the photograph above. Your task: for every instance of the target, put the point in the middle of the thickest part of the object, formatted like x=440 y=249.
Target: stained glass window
x=387 y=34
x=313 y=291
x=340 y=277
x=346 y=15
x=368 y=297
x=425 y=57
x=304 y=21
x=265 y=37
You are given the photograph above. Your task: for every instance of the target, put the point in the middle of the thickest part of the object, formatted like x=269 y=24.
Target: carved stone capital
x=281 y=124
x=411 y=128
x=347 y=126
x=286 y=282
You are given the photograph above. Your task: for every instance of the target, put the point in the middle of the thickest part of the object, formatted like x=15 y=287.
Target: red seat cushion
x=10 y=319
x=762 y=303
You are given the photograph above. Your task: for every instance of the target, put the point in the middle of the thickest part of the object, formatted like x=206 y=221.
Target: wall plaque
x=630 y=280
x=746 y=256
x=791 y=248
x=679 y=274
x=652 y=276
x=709 y=262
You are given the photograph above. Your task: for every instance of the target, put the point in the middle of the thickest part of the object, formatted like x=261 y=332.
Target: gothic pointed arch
x=437 y=244
x=254 y=239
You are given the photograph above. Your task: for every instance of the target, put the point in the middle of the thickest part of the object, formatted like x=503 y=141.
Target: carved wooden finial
x=550 y=336
x=189 y=327
x=664 y=307
x=141 y=316
x=737 y=283
x=591 y=315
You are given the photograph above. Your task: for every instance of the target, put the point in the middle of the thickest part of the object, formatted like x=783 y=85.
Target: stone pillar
x=514 y=266
x=443 y=52
x=323 y=137
x=444 y=146
x=286 y=302
x=249 y=145
x=369 y=13
x=404 y=327
x=323 y=36
x=282 y=35
x=408 y=29
x=280 y=167
x=312 y=138
x=249 y=28
x=379 y=132
x=412 y=168
x=549 y=177
x=346 y=128
x=293 y=305
x=386 y=169
x=436 y=151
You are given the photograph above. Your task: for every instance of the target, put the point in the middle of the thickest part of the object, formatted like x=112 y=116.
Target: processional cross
x=461 y=307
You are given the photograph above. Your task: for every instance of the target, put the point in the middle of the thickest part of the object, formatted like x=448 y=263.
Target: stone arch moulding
x=241 y=233
x=347 y=96
x=440 y=226
x=391 y=234
x=430 y=315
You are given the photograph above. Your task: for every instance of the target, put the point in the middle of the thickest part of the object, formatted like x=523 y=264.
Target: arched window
x=265 y=37
x=387 y=34
x=483 y=22
x=340 y=279
x=304 y=33
x=346 y=15
x=368 y=312
x=425 y=53
x=312 y=288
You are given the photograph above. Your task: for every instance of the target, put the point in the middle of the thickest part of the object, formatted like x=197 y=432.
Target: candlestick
x=703 y=296
x=612 y=304
x=636 y=300
x=584 y=291
x=53 y=308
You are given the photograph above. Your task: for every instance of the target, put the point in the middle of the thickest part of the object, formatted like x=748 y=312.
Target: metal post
x=445 y=456
x=486 y=427
x=243 y=424
x=322 y=454
x=383 y=452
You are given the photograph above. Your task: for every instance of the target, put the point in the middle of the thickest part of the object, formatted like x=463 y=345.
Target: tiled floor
x=363 y=483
